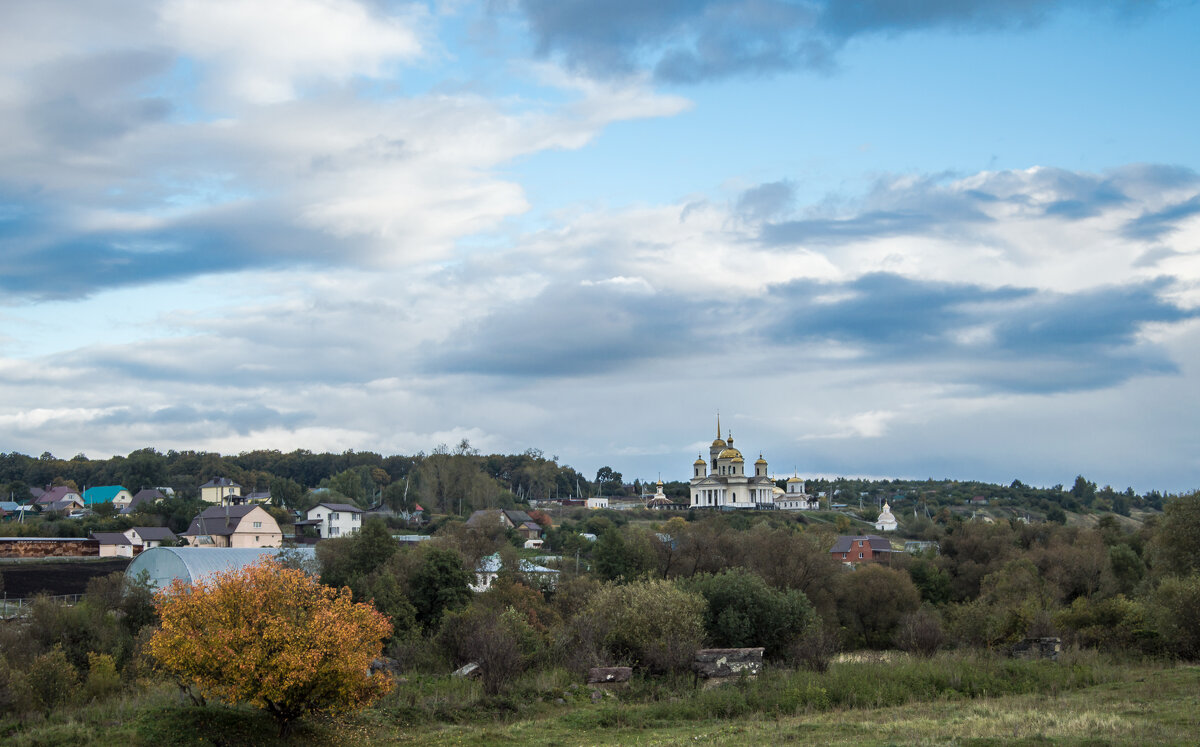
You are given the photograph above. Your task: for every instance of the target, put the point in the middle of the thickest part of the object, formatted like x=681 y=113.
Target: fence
x=19 y=607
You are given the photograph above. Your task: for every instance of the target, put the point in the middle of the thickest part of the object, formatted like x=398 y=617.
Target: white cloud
x=265 y=51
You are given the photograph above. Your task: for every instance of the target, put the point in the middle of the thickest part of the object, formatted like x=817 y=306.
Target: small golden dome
x=794 y=479
x=699 y=461
x=760 y=460
x=730 y=454
x=719 y=442
x=738 y=459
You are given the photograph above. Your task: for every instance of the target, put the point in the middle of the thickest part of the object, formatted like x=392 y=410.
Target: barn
x=165 y=564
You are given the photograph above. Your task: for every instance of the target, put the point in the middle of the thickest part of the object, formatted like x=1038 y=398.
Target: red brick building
x=867 y=548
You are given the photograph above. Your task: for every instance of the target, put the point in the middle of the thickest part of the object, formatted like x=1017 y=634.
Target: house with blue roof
x=114 y=494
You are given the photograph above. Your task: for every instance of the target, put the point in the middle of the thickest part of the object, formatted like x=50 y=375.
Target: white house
x=148 y=537
x=597 y=502
x=335 y=519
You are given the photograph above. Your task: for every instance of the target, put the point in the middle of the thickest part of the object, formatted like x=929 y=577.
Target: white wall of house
x=335 y=523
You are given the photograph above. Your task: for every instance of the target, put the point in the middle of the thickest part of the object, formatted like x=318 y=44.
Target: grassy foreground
x=947 y=701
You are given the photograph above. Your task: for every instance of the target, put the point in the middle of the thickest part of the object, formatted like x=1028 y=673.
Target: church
x=722 y=482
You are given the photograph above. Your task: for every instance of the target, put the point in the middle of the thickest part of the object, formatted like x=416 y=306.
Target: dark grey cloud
x=1012 y=339
x=1154 y=224
x=1004 y=339
x=685 y=41
x=241 y=418
x=81 y=100
x=41 y=256
x=892 y=208
x=766 y=201
x=574 y=330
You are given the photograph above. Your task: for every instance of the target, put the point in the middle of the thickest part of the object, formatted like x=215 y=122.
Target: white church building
x=722 y=482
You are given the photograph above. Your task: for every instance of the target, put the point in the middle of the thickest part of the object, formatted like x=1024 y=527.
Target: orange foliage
x=272 y=637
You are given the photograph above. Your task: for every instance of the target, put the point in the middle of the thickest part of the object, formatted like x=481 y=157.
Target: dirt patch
x=61 y=577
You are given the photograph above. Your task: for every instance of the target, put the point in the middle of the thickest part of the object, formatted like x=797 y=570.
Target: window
x=257 y=525
x=333 y=516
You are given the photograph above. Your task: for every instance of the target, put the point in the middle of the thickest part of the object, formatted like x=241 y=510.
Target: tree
x=272 y=637
x=744 y=611
x=1177 y=542
x=438 y=585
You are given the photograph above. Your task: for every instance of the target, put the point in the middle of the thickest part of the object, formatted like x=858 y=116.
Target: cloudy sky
x=925 y=239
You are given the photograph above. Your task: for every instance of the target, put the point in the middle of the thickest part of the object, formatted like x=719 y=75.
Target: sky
x=908 y=240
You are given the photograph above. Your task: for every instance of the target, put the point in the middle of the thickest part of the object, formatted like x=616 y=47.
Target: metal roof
x=165 y=564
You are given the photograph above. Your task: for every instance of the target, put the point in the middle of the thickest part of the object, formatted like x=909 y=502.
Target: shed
x=165 y=564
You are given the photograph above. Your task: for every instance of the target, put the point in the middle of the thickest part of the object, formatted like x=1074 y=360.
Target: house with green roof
x=114 y=494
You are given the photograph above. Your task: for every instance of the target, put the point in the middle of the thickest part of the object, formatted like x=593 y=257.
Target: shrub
x=743 y=611
x=52 y=680
x=502 y=645
x=649 y=624
x=102 y=677
x=1177 y=602
x=272 y=637
x=815 y=648
x=871 y=601
x=920 y=632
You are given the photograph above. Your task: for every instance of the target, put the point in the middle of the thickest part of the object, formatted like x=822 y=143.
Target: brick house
x=866 y=548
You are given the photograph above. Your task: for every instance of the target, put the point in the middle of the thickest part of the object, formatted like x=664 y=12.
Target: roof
x=145 y=495
x=10 y=506
x=155 y=534
x=874 y=541
x=491 y=564
x=101 y=494
x=164 y=564
x=111 y=538
x=339 y=507
x=55 y=494
x=219 y=520
x=220 y=482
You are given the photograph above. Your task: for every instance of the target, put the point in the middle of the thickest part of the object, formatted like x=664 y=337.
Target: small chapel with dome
x=722 y=482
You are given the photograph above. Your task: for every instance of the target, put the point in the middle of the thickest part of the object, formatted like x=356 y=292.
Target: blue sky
x=905 y=240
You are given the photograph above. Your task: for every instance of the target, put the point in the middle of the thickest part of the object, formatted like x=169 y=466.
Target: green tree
x=1177 y=541
x=742 y=611
x=439 y=584
x=652 y=625
x=871 y=602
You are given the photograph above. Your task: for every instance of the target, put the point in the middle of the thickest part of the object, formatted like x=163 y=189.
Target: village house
x=148 y=537
x=334 y=519
x=220 y=490
x=869 y=548
x=234 y=526
x=519 y=521
x=115 y=495
x=53 y=495
x=146 y=496
x=113 y=544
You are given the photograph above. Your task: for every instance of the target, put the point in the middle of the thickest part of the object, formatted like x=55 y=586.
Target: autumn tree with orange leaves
x=272 y=637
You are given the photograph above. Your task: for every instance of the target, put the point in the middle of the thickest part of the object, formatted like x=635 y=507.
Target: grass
x=952 y=699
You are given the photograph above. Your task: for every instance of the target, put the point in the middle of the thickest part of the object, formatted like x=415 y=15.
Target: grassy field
x=914 y=702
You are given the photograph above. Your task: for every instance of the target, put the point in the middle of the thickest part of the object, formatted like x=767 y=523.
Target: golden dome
x=719 y=442
x=794 y=479
x=760 y=460
x=730 y=454
x=699 y=461
x=738 y=459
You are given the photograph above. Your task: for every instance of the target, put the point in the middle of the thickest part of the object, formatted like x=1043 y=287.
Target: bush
x=272 y=637
x=815 y=648
x=871 y=601
x=743 y=611
x=102 y=677
x=502 y=645
x=653 y=625
x=52 y=680
x=1177 y=613
x=920 y=632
